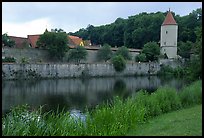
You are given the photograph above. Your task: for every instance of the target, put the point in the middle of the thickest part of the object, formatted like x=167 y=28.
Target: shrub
x=119 y=63
x=8 y=59
x=191 y=94
x=141 y=57
x=104 y=53
x=24 y=60
x=124 y=52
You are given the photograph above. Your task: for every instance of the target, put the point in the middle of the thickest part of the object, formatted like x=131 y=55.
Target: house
x=32 y=40
x=20 y=42
x=75 y=41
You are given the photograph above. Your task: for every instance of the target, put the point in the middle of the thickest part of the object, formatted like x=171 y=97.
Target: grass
x=185 y=122
x=109 y=119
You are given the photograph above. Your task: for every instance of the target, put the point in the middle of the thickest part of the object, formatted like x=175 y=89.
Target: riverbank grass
x=185 y=122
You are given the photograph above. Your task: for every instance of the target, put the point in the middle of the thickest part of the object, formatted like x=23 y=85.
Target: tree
x=77 y=54
x=119 y=63
x=56 y=42
x=7 y=41
x=141 y=57
x=151 y=50
x=196 y=62
x=124 y=52
x=104 y=53
x=184 y=49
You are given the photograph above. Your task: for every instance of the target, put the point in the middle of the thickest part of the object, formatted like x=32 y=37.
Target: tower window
x=164 y=43
x=166 y=32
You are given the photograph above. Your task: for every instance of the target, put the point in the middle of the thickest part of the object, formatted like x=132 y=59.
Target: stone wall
x=28 y=71
x=34 y=55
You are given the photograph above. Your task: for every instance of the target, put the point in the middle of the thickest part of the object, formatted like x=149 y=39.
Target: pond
x=77 y=93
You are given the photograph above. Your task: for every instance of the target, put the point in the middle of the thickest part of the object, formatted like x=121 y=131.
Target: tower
x=168 y=37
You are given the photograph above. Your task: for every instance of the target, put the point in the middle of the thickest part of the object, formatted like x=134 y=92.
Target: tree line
x=140 y=29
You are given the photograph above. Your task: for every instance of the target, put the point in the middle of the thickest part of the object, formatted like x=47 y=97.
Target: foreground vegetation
x=115 y=118
x=185 y=122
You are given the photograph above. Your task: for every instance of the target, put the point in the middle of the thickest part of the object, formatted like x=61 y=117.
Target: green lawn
x=185 y=122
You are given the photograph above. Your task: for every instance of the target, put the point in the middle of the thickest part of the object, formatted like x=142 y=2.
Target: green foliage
x=140 y=29
x=194 y=68
x=184 y=49
x=77 y=54
x=176 y=72
x=8 y=59
x=192 y=94
x=24 y=60
x=7 y=41
x=104 y=53
x=183 y=122
x=151 y=50
x=123 y=51
x=55 y=42
x=119 y=63
x=188 y=24
x=141 y=57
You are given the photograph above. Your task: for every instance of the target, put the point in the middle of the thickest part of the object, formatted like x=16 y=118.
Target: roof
x=74 y=40
x=169 y=20
x=32 y=39
x=19 y=41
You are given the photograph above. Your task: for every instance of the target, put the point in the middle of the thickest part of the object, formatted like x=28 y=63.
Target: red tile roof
x=74 y=40
x=169 y=20
x=32 y=39
x=19 y=41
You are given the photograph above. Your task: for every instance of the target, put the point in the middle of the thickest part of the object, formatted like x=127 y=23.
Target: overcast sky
x=27 y=18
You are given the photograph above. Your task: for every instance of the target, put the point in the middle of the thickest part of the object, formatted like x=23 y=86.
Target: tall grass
x=191 y=94
x=114 y=118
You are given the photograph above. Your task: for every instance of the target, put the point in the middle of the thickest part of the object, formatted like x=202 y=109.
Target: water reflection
x=76 y=93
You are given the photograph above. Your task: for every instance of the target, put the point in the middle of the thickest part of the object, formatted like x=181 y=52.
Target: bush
x=9 y=59
x=104 y=53
x=77 y=54
x=119 y=63
x=191 y=94
x=124 y=52
x=141 y=57
x=24 y=60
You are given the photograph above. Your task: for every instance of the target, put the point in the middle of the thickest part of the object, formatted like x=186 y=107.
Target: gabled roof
x=32 y=39
x=19 y=41
x=74 y=40
x=169 y=20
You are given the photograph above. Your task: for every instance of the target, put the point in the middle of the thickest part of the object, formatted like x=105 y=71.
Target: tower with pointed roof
x=168 y=37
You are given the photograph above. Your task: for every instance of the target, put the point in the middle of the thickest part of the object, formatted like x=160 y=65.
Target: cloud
x=22 y=18
x=23 y=29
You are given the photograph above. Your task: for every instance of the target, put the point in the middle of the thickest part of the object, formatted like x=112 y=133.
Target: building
x=75 y=41
x=20 y=42
x=168 y=37
x=32 y=39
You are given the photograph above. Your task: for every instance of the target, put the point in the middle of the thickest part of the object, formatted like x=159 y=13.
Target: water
x=76 y=94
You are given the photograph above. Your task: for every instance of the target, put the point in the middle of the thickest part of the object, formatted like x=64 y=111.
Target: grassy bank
x=185 y=122
x=115 y=118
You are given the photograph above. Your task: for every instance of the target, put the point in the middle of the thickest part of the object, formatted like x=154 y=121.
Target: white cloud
x=28 y=28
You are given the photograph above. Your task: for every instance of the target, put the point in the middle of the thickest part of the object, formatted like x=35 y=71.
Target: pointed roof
x=32 y=39
x=169 y=20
